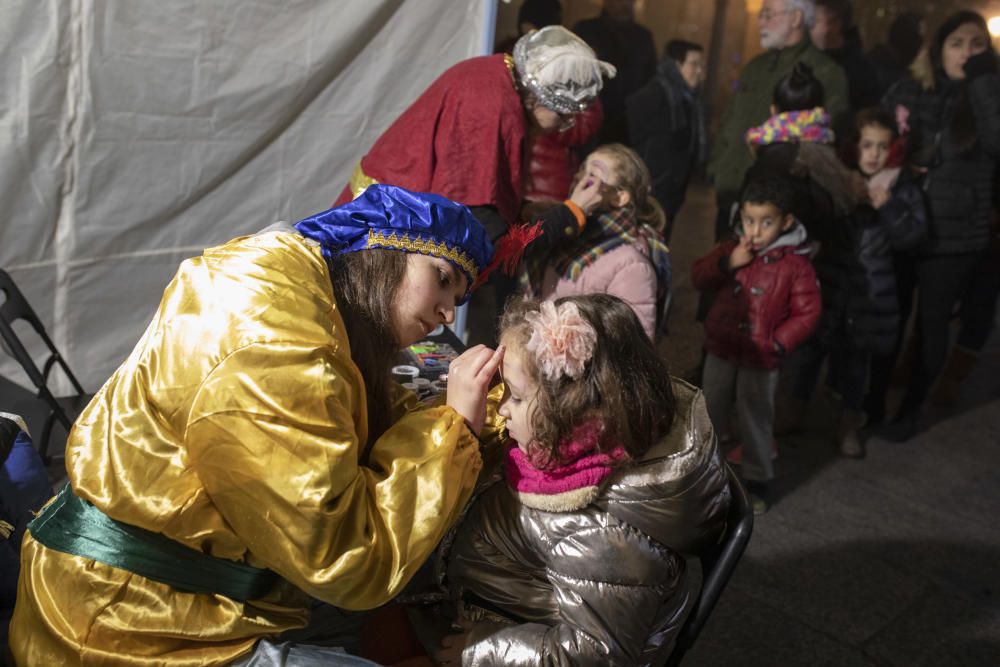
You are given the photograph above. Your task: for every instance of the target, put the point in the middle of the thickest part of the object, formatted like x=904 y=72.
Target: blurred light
x=994 y=25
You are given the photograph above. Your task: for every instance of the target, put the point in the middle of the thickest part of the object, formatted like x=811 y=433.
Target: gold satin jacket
x=234 y=428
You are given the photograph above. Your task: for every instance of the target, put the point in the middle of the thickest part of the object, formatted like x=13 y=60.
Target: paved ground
x=894 y=560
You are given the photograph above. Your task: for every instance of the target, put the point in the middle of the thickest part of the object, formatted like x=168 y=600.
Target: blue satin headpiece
x=386 y=216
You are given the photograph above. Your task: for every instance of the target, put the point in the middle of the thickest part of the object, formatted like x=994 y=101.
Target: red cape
x=462 y=139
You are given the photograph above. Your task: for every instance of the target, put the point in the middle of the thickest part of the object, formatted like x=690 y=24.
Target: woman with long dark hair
x=253 y=449
x=951 y=107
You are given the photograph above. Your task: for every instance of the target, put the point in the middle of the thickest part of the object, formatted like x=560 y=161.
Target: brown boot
x=848 y=441
x=960 y=363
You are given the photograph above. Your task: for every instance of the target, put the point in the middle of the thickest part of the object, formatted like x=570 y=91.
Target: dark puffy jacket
x=958 y=184
x=855 y=268
x=551 y=158
x=774 y=299
x=666 y=124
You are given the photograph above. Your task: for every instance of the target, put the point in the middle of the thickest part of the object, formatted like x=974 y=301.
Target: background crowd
x=890 y=157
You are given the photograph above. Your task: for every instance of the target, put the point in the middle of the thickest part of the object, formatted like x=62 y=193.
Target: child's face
x=763 y=223
x=604 y=168
x=873 y=149
x=518 y=405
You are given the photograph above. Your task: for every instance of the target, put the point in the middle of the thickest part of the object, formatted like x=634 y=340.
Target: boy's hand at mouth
x=742 y=254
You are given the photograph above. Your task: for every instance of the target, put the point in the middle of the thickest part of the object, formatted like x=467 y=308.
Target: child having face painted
x=620 y=248
x=611 y=460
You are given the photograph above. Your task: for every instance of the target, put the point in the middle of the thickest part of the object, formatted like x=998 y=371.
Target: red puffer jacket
x=551 y=161
x=774 y=299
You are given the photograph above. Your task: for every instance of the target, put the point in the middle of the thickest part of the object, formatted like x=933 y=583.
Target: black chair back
x=717 y=565
x=15 y=307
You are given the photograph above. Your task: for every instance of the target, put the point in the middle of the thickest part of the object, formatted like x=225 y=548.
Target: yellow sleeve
x=403 y=401
x=274 y=437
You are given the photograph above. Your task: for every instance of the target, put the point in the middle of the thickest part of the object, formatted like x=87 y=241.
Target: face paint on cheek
x=600 y=167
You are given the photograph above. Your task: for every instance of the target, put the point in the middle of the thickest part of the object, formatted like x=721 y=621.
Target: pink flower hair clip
x=562 y=340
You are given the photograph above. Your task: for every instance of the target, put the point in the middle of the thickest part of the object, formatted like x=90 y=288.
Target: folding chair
x=64 y=410
x=717 y=565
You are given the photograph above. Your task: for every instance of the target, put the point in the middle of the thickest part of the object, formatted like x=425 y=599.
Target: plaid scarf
x=604 y=233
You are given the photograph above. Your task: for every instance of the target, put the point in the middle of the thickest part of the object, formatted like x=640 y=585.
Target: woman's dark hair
x=625 y=383
x=365 y=284
x=678 y=49
x=963 y=121
x=798 y=90
x=950 y=25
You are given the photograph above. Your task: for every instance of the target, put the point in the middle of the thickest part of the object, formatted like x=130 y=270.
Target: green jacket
x=731 y=157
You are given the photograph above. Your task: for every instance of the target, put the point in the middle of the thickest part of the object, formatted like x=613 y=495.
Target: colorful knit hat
x=806 y=125
x=386 y=216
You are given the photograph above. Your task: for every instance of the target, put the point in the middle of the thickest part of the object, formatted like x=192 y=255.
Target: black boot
x=902 y=428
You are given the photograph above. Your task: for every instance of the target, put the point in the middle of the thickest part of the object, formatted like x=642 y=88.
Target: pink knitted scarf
x=570 y=483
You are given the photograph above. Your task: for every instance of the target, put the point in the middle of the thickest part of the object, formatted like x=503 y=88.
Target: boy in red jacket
x=766 y=303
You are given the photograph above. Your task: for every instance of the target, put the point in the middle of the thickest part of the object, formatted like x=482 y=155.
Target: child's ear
x=622 y=198
x=774 y=110
x=787 y=222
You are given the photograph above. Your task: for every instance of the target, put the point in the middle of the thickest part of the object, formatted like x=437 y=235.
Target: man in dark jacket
x=619 y=40
x=834 y=33
x=891 y=60
x=666 y=122
x=784 y=33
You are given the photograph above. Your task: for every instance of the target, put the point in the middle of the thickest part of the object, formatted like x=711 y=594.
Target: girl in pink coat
x=620 y=250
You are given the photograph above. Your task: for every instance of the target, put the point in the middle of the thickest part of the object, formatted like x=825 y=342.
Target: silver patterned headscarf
x=560 y=69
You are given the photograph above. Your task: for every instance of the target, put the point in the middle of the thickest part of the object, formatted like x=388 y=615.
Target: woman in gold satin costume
x=255 y=436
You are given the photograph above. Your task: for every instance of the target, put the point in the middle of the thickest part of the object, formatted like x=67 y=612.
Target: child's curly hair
x=625 y=383
x=633 y=176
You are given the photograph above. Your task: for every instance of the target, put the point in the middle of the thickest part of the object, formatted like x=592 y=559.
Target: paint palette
x=431 y=357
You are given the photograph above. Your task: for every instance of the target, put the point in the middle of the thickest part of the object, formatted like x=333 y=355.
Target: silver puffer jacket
x=605 y=584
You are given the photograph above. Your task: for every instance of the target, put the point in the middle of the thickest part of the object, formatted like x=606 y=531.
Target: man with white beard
x=784 y=34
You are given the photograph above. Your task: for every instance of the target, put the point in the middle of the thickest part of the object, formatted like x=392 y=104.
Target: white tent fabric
x=135 y=133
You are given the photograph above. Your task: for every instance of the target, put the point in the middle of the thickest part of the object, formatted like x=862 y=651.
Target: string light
x=994 y=25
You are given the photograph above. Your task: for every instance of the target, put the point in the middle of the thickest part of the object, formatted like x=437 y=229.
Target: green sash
x=72 y=525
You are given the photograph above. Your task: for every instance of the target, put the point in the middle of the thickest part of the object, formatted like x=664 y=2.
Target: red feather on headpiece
x=509 y=250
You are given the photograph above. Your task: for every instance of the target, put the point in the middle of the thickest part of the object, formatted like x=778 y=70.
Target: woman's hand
x=587 y=193
x=469 y=381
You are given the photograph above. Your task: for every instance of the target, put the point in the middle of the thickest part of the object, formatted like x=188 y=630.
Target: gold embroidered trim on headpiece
x=379 y=239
